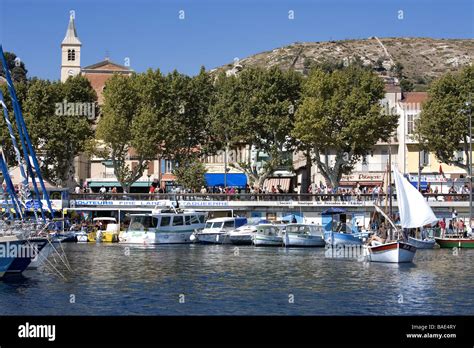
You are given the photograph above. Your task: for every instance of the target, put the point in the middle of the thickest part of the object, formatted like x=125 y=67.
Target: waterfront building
x=371 y=169
x=98 y=172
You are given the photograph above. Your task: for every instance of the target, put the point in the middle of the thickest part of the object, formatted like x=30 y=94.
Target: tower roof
x=71 y=37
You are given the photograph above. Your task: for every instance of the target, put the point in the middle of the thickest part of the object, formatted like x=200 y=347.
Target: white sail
x=413 y=208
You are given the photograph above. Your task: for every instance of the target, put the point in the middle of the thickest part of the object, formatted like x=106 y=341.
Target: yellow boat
x=108 y=231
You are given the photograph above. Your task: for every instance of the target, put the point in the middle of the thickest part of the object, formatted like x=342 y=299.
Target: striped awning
x=284 y=184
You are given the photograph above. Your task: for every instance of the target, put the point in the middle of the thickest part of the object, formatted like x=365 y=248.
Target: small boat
x=81 y=237
x=340 y=238
x=267 y=235
x=414 y=213
x=167 y=226
x=427 y=243
x=108 y=230
x=393 y=252
x=243 y=235
x=455 y=242
x=303 y=235
x=217 y=230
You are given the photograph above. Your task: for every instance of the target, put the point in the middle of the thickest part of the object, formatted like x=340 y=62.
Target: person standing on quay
x=442 y=225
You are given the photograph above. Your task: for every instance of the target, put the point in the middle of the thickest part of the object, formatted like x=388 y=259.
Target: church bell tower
x=70 y=52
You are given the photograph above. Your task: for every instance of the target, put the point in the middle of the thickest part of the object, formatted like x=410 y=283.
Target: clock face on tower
x=70 y=72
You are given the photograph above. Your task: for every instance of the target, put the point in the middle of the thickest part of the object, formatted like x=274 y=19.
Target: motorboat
x=243 y=235
x=268 y=235
x=107 y=230
x=303 y=235
x=167 y=226
x=217 y=230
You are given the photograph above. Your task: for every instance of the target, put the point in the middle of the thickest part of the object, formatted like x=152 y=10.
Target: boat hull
x=395 y=252
x=422 y=244
x=213 y=238
x=267 y=240
x=243 y=239
x=337 y=238
x=161 y=237
x=455 y=242
x=303 y=241
x=21 y=263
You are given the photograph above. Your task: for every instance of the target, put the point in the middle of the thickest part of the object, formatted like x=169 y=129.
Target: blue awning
x=233 y=179
x=334 y=211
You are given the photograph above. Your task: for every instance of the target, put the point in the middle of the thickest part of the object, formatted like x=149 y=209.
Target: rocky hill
x=423 y=59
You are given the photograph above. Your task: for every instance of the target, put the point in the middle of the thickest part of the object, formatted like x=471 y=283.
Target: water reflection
x=114 y=279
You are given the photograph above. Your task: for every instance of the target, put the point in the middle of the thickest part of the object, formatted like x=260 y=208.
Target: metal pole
x=225 y=168
x=470 y=164
x=419 y=168
x=390 y=185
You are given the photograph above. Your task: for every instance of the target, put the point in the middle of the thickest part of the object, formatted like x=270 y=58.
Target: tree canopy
x=340 y=118
x=256 y=109
x=443 y=126
x=59 y=117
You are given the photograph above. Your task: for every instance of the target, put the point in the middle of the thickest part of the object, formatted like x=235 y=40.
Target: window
x=229 y=224
x=177 y=221
x=194 y=219
x=201 y=219
x=424 y=158
x=165 y=220
x=71 y=55
x=187 y=220
x=140 y=223
x=410 y=124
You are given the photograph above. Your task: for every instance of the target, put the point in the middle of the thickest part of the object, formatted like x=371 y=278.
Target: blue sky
x=213 y=32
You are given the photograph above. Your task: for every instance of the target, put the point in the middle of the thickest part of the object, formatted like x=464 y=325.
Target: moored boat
x=393 y=252
x=243 y=235
x=427 y=243
x=303 y=235
x=267 y=235
x=453 y=242
x=339 y=238
x=217 y=230
x=163 y=227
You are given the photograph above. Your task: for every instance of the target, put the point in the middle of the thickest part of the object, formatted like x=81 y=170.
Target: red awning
x=283 y=182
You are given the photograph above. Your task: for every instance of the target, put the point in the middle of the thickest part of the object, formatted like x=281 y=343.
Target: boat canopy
x=334 y=211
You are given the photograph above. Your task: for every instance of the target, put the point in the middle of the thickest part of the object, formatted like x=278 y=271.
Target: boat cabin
x=226 y=223
x=143 y=222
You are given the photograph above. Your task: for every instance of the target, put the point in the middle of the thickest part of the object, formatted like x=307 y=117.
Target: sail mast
x=25 y=140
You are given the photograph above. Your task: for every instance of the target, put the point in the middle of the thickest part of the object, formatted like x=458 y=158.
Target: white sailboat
x=414 y=213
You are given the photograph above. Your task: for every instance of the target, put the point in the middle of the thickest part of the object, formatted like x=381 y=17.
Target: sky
x=213 y=32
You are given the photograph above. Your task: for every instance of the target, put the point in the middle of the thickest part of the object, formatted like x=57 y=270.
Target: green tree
x=185 y=120
x=16 y=66
x=340 y=119
x=59 y=118
x=133 y=121
x=256 y=109
x=191 y=175
x=443 y=126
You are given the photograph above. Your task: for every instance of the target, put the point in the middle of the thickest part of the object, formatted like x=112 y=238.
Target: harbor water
x=113 y=279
